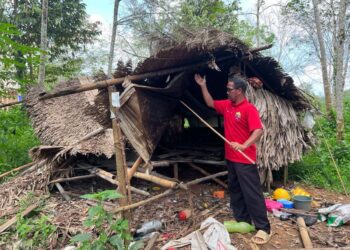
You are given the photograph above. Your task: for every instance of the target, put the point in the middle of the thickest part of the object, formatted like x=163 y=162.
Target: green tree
x=68 y=29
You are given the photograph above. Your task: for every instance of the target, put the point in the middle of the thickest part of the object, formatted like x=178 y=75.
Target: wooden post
x=119 y=155
x=303 y=233
x=285 y=175
x=134 y=168
x=207 y=174
x=176 y=171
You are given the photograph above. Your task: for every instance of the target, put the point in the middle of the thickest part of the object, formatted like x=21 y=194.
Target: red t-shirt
x=239 y=122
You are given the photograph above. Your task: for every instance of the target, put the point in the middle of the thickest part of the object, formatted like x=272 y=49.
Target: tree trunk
x=114 y=33
x=323 y=59
x=43 y=42
x=339 y=56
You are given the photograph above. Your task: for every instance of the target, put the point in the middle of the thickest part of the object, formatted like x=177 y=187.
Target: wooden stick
x=13 y=220
x=17 y=169
x=208 y=174
x=134 y=168
x=64 y=194
x=110 y=82
x=88 y=136
x=73 y=178
x=109 y=177
x=304 y=233
x=152 y=241
x=216 y=132
x=3 y=105
x=140 y=203
x=206 y=178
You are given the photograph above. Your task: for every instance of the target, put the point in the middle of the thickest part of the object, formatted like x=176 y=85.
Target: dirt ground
x=69 y=215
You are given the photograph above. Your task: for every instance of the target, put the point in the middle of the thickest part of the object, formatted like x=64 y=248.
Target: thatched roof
x=212 y=44
x=63 y=121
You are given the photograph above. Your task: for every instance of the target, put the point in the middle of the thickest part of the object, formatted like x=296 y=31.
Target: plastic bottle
x=148 y=227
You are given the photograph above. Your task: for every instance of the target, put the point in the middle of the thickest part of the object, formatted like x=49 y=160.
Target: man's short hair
x=240 y=83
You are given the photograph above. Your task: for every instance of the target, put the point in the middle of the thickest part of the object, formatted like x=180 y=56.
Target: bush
x=317 y=167
x=16 y=138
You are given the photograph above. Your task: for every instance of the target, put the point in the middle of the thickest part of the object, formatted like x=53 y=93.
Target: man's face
x=232 y=93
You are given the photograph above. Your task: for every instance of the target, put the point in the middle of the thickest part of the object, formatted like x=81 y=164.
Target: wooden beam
x=110 y=82
x=63 y=193
x=208 y=174
x=134 y=168
x=304 y=233
x=13 y=220
x=137 y=204
x=110 y=178
x=17 y=169
x=73 y=178
x=157 y=180
x=206 y=178
x=3 y=105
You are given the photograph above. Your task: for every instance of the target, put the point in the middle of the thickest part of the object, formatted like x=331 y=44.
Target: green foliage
x=9 y=62
x=317 y=166
x=110 y=233
x=34 y=232
x=16 y=138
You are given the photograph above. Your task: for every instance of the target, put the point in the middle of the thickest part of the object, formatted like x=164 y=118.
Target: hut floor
x=286 y=234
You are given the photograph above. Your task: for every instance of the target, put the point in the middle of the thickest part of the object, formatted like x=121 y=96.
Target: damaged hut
x=76 y=129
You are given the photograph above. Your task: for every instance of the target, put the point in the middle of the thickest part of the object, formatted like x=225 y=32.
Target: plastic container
x=302 y=202
x=271 y=205
x=238 y=227
x=286 y=203
x=148 y=227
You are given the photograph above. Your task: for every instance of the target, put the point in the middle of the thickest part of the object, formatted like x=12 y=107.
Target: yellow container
x=281 y=193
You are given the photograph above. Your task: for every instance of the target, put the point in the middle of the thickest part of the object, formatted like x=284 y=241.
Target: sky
x=102 y=10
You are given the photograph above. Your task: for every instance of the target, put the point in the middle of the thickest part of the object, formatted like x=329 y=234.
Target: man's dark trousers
x=247 y=199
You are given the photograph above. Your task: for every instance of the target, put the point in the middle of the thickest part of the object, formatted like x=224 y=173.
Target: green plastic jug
x=238 y=227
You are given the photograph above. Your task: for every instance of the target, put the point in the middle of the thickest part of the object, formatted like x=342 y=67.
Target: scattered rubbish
x=281 y=193
x=184 y=214
x=148 y=227
x=238 y=227
x=302 y=202
x=270 y=205
x=219 y=194
x=282 y=215
x=335 y=215
x=215 y=237
x=286 y=203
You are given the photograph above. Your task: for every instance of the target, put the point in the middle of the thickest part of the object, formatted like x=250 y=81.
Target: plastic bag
x=308 y=121
x=335 y=215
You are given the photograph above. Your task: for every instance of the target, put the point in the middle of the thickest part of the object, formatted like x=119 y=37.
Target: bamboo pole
x=137 y=204
x=304 y=233
x=64 y=194
x=196 y=181
x=157 y=180
x=208 y=174
x=17 y=169
x=73 y=178
x=110 y=82
x=109 y=177
x=216 y=132
x=134 y=168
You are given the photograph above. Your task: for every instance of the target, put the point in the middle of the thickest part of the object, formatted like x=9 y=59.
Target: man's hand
x=236 y=146
x=200 y=80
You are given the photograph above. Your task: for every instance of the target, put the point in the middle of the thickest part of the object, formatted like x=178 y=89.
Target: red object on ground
x=184 y=214
x=219 y=194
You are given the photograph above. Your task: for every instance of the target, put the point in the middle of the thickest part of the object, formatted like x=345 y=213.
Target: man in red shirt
x=243 y=128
